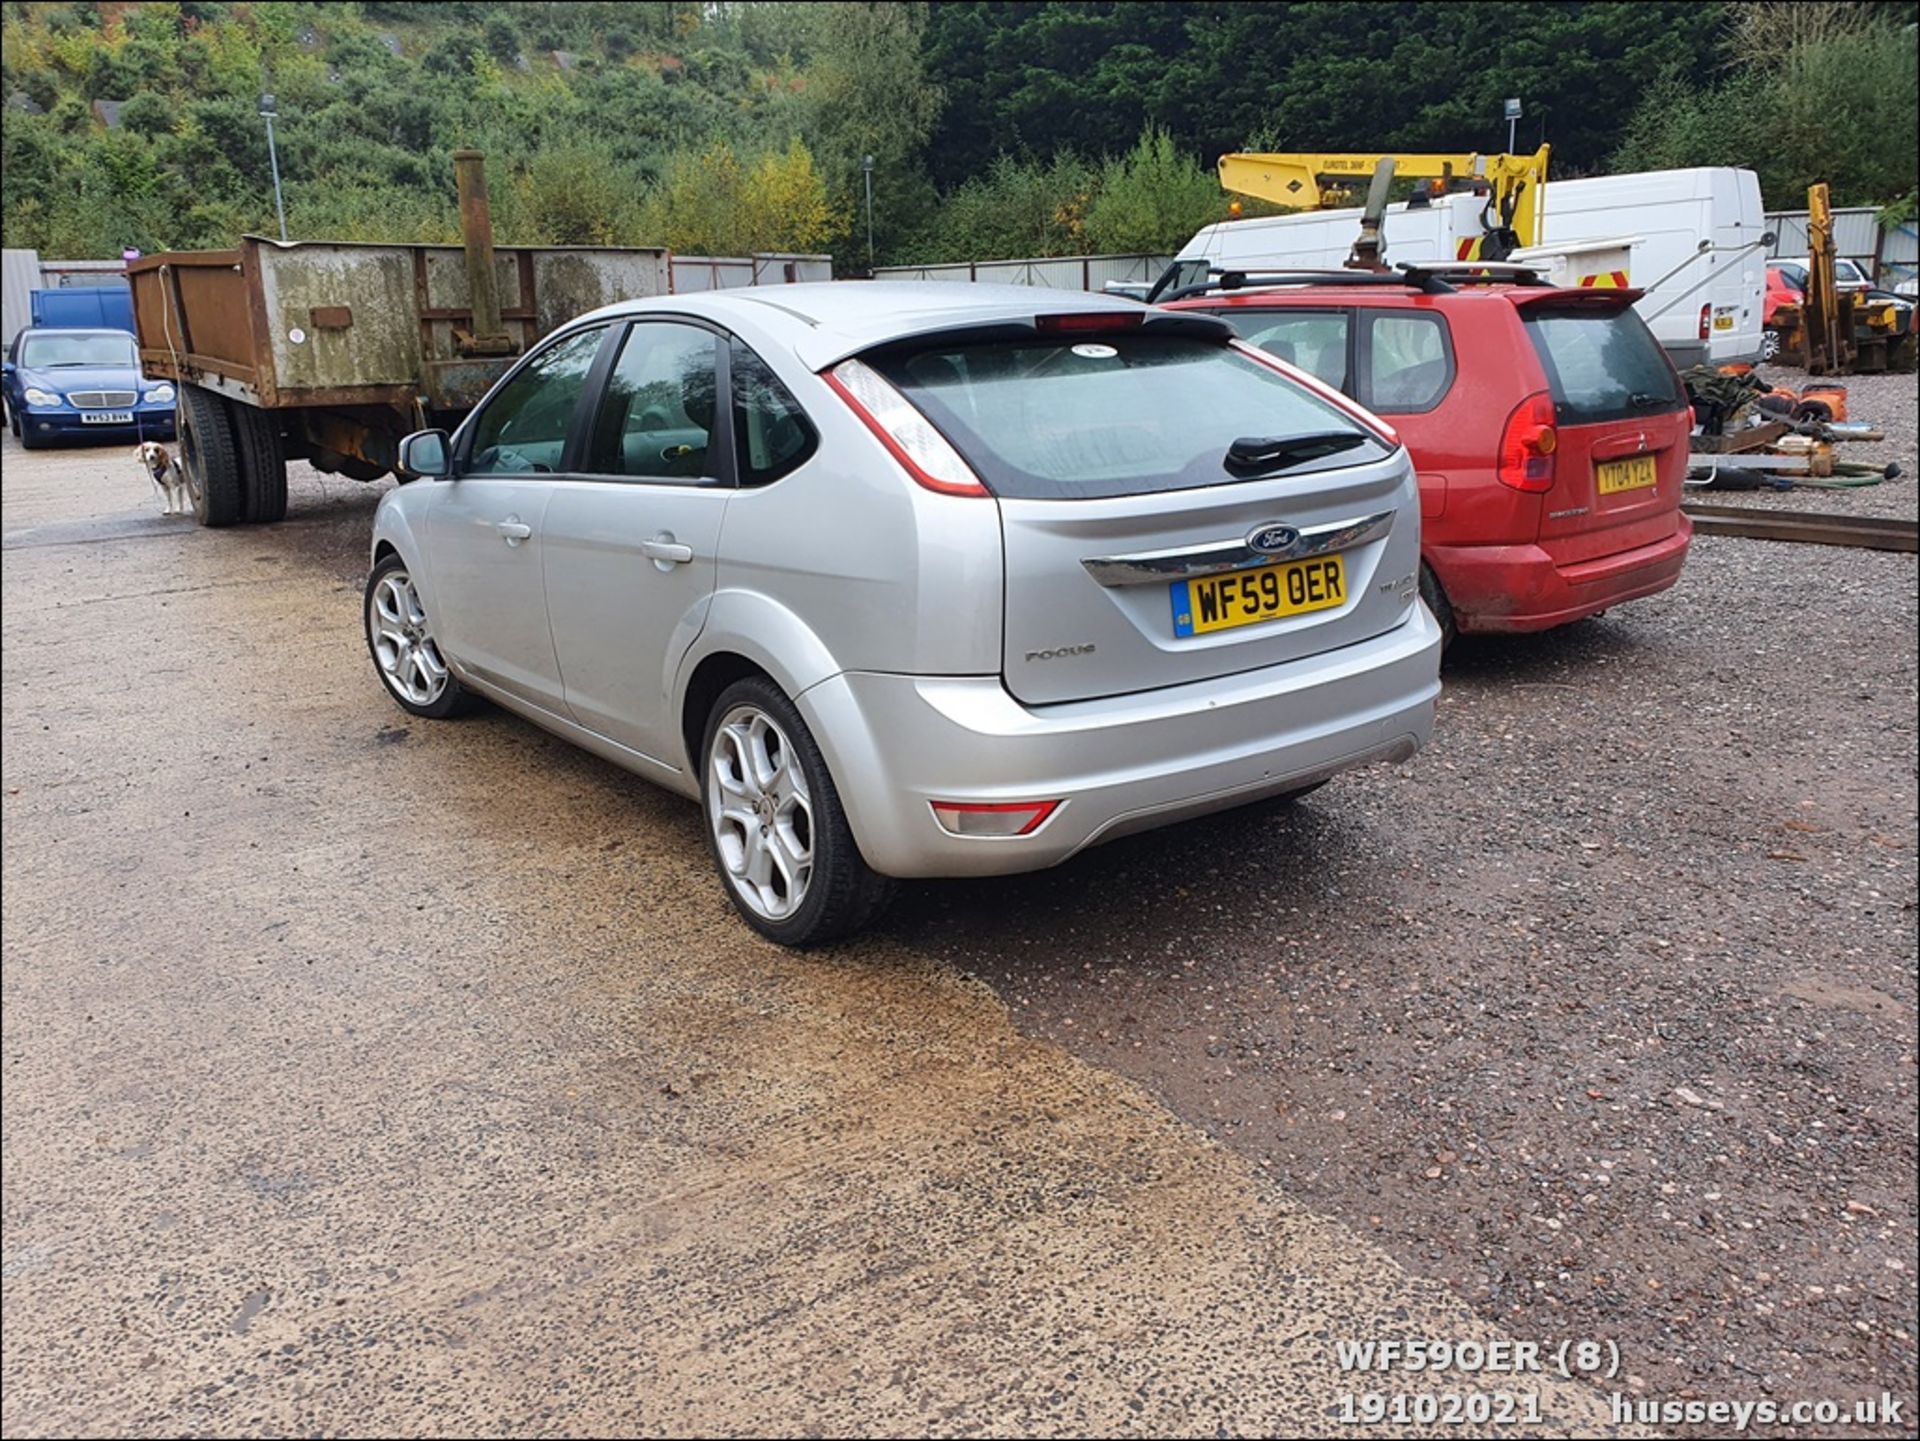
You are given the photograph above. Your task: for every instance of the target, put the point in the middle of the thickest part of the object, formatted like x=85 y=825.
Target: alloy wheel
x=761 y=813
x=403 y=643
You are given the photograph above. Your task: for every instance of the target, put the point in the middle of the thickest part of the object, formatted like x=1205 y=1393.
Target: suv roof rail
x=1220 y=280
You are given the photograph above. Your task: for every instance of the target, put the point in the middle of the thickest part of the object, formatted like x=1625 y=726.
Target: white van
x=1698 y=248
x=1320 y=239
x=1700 y=252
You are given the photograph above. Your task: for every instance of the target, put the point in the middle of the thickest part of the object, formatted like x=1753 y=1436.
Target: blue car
x=61 y=383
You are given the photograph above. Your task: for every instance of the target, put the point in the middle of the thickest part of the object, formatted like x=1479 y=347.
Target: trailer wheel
x=208 y=456
x=263 y=464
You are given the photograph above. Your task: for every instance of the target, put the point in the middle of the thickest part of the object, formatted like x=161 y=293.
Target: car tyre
x=209 y=457
x=405 y=654
x=1437 y=602
x=1769 y=344
x=777 y=832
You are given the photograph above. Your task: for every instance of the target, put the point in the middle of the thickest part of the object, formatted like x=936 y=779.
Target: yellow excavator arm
x=1294 y=180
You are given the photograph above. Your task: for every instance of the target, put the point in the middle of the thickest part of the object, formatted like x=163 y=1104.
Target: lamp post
x=1513 y=120
x=866 y=167
x=267 y=110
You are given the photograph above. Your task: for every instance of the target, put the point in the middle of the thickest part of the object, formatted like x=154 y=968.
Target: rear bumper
x=1507 y=588
x=1130 y=763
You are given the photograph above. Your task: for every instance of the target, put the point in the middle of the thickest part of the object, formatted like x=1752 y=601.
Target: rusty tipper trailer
x=333 y=352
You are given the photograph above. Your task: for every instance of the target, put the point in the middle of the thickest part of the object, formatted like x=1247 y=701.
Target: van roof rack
x=1436 y=279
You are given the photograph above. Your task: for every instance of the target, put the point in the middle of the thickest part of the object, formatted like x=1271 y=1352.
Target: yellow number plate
x=1267 y=592
x=1723 y=322
x=1637 y=473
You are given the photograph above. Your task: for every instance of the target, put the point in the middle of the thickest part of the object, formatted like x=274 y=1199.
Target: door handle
x=666 y=551
x=512 y=531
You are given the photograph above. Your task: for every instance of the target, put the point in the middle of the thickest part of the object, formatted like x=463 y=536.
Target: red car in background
x=1782 y=289
x=1548 y=428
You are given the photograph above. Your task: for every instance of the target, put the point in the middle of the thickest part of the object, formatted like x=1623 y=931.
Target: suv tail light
x=904 y=431
x=1706 y=321
x=1527 y=445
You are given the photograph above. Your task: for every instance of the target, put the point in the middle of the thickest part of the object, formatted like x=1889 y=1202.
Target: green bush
x=1152 y=199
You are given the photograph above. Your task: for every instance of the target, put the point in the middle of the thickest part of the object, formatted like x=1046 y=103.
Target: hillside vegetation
x=995 y=129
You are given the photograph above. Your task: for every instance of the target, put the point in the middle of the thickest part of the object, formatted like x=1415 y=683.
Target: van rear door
x=1739 y=290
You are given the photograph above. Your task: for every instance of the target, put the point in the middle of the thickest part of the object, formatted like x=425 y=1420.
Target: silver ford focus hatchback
x=909 y=580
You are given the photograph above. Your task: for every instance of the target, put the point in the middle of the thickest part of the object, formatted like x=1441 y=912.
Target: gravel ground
x=1602 y=1011
x=1891 y=402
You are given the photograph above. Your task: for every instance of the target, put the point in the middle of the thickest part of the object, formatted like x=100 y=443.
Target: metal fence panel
x=1069 y=272
x=729 y=272
x=19 y=278
x=1888 y=255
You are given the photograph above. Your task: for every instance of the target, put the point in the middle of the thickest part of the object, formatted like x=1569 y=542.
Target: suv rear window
x=1115 y=414
x=1601 y=364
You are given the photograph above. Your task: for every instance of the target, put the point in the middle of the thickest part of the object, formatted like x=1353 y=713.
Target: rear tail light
x=973 y=818
x=904 y=431
x=1706 y=321
x=1319 y=387
x=1527 y=445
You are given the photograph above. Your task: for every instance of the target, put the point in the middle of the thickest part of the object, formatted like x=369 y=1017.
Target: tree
x=708 y=203
x=1817 y=93
x=1153 y=198
x=868 y=93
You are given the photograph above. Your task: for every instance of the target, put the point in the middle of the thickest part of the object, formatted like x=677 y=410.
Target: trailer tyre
x=263 y=464
x=209 y=457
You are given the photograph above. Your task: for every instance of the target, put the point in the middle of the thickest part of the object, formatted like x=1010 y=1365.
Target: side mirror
x=6 y=367
x=426 y=453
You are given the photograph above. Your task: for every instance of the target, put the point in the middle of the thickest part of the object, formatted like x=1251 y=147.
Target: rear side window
x=1407 y=362
x=1313 y=340
x=1116 y=413
x=1601 y=364
x=772 y=434
x=656 y=416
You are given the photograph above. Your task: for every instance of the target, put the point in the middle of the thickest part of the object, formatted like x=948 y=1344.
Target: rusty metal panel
x=568 y=283
x=345 y=324
x=459 y=384
x=382 y=348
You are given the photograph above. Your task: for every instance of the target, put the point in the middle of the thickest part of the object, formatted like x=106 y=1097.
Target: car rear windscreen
x=1601 y=364
x=1119 y=414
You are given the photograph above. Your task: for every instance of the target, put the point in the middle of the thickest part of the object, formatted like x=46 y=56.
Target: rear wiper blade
x=1640 y=400
x=1276 y=452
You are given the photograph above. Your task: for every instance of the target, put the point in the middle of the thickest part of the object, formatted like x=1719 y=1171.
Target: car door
x=485 y=541
x=631 y=537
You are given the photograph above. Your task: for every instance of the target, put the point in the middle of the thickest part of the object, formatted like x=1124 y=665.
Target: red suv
x=1548 y=427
